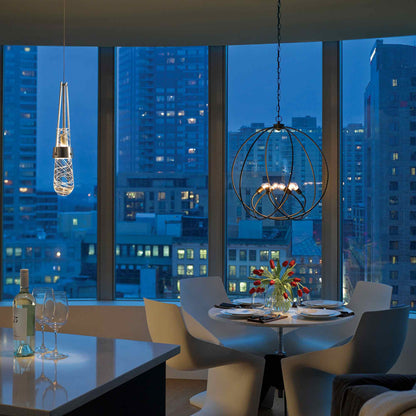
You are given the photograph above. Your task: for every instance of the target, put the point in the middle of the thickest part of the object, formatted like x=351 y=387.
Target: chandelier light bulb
x=63 y=174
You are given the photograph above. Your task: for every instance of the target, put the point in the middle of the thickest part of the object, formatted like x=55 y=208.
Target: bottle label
x=24 y=322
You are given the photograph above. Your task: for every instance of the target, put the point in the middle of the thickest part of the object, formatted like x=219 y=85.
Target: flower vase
x=275 y=300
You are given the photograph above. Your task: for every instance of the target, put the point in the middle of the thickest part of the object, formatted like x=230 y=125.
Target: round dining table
x=291 y=319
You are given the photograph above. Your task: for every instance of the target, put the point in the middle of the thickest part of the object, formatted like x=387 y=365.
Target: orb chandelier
x=278 y=196
x=63 y=174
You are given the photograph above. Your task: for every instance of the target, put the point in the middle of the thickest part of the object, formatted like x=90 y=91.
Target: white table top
x=94 y=366
x=292 y=320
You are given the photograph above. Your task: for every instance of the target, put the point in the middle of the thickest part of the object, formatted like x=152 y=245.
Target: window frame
x=217 y=127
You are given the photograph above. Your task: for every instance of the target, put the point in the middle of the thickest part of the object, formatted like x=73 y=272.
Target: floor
x=178 y=393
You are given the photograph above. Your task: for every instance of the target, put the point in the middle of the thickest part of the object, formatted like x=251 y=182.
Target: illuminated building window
x=181 y=270
x=232 y=270
x=181 y=253
x=203 y=253
x=147 y=251
x=243 y=286
x=166 y=251
x=203 y=270
x=190 y=253
x=189 y=270
x=232 y=286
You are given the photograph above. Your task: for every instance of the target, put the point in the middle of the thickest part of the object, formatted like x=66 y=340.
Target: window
x=41 y=222
x=181 y=270
x=369 y=87
x=243 y=287
x=243 y=255
x=254 y=66
x=203 y=270
x=232 y=254
x=162 y=163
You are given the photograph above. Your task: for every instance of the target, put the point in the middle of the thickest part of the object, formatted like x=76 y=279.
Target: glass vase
x=275 y=301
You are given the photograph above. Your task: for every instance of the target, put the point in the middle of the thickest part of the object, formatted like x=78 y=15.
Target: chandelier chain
x=278 y=59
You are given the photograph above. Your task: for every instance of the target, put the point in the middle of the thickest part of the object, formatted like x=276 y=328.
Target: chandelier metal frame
x=279 y=194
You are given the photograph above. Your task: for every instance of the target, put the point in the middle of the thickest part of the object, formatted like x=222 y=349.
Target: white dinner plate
x=240 y=312
x=318 y=313
x=323 y=303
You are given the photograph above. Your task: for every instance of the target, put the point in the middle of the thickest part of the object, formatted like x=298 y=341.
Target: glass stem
x=55 y=351
x=42 y=327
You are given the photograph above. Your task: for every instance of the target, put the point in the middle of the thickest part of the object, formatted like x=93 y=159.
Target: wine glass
x=55 y=312
x=39 y=293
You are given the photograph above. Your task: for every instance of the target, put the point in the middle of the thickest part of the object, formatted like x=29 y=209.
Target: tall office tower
x=163 y=110
x=390 y=139
x=19 y=139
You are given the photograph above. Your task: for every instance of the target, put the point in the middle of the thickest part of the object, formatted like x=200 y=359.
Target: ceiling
x=200 y=22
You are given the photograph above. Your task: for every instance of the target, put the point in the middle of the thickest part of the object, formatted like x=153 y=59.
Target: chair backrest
x=198 y=296
x=370 y=296
x=166 y=325
x=378 y=341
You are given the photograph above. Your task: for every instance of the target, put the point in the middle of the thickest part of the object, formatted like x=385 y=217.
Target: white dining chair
x=367 y=296
x=374 y=348
x=234 y=378
x=198 y=295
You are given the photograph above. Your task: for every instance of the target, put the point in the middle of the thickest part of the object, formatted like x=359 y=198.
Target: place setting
x=322 y=309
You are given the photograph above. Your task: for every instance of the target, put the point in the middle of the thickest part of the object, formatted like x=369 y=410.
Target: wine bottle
x=24 y=319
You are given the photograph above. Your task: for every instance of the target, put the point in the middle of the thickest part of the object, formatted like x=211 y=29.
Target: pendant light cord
x=278 y=117
x=63 y=52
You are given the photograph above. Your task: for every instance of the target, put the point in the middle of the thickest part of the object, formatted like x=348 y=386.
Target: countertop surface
x=94 y=366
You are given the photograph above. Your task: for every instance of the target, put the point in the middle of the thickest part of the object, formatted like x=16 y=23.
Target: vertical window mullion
x=217 y=93
x=331 y=128
x=106 y=174
x=1 y=171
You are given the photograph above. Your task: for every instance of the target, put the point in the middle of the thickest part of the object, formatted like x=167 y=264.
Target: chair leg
x=234 y=389
x=198 y=400
x=308 y=391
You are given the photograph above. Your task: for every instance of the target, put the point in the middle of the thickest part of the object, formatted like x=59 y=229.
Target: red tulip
x=293 y=284
x=292 y=263
x=306 y=290
x=300 y=293
x=261 y=289
x=258 y=290
x=252 y=290
x=285 y=295
x=258 y=272
x=291 y=273
x=272 y=265
x=272 y=282
x=297 y=279
x=257 y=282
x=285 y=263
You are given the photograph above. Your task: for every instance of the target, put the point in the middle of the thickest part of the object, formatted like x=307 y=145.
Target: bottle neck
x=24 y=289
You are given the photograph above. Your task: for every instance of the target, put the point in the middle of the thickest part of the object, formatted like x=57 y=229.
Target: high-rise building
x=162 y=120
x=19 y=138
x=390 y=140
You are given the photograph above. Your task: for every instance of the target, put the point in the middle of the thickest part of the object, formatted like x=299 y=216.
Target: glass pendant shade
x=63 y=174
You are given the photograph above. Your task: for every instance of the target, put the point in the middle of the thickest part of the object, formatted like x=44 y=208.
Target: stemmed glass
x=39 y=293
x=55 y=312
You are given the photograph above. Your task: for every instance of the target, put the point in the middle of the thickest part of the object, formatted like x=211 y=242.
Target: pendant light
x=277 y=196
x=63 y=174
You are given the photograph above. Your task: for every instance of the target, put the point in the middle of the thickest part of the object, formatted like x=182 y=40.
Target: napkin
x=266 y=318
x=345 y=314
x=225 y=305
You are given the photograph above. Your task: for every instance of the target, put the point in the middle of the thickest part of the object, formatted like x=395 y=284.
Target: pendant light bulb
x=63 y=173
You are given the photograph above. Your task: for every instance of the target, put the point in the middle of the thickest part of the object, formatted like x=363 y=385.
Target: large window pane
x=251 y=243
x=162 y=169
x=379 y=165
x=54 y=237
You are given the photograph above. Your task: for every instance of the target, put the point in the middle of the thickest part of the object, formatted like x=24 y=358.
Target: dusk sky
x=251 y=93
